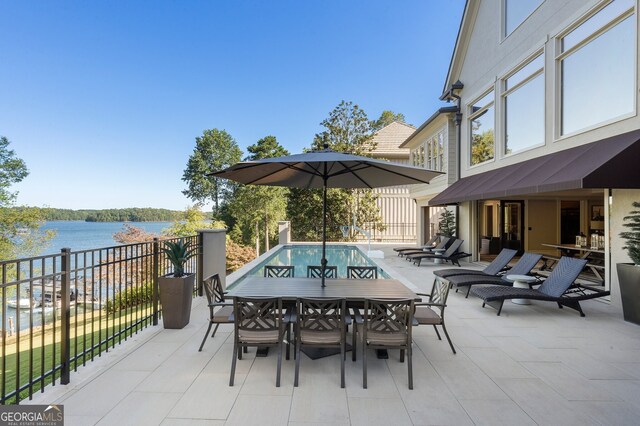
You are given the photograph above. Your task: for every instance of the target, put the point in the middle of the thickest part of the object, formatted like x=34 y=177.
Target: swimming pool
x=302 y=255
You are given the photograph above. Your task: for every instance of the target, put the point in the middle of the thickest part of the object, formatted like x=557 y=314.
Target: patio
x=534 y=364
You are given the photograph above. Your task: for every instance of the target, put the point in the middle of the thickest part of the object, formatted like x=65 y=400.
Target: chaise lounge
x=443 y=244
x=451 y=254
x=523 y=267
x=559 y=287
x=493 y=269
x=428 y=245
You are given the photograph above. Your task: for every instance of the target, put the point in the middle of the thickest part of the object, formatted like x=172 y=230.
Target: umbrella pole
x=323 y=262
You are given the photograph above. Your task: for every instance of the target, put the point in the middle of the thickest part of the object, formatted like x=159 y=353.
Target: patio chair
x=279 y=271
x=215 y=299
x=493 y=269
x=429 y=244
x=426 y=311
x=362 y=272
x=523 y=267
x=258 y=322
x=321 y=323
x=314 y=271
x=387 y=325
x=444 y=243
x=559 y=287
x=451 y=254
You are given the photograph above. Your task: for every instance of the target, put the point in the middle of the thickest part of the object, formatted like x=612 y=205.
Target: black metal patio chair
x=426 y=311
x=320 y=323
x=279 y=271
x=257 y=322
x=362 y=272
x=215 y=299
x=314 y=271
x=387 y=325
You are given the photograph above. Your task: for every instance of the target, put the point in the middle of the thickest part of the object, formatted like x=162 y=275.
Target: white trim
x=503 y=20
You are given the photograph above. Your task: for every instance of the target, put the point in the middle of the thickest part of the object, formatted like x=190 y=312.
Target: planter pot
x=629 y=280
x=175 y=296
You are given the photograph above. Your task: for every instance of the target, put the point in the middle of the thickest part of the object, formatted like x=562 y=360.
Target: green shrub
x=131 y=296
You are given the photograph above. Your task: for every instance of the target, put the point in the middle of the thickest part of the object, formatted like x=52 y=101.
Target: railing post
x=154 y=278
x=65 y=318
x=199 y=266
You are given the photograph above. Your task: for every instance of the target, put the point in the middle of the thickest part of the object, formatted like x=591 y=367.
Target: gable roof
x=389 y=139
x=439 y=111
x=462 y=39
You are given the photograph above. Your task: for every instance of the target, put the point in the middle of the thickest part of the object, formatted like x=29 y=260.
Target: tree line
x=133 y=214
x=251 y=213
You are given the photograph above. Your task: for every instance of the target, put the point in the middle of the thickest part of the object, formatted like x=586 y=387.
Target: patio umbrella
x=325 y=169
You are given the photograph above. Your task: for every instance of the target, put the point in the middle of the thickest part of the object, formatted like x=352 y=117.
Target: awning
x=609 y=163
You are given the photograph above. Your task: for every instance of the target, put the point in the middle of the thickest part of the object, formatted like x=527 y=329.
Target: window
x=516 y=11
x=481 y=123
x=523 y=99
x=431 y=153
x=597 y=63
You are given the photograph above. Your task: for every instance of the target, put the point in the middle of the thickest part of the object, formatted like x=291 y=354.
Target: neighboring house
x=396 y=207
x=548 y=127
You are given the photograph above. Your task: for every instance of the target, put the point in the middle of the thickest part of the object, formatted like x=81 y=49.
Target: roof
x=442 y=110
x=608 y=163
x=389 y=139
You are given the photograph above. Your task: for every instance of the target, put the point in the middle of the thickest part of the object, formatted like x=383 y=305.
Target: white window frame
x=472 y=115
x=421 y=154
x=503 y=19
x=504 y=92
x=559 y=56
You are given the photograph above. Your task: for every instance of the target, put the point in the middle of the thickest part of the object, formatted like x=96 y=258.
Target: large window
x=523 y=99
x=481 y=124
x=597 y=63
x=516 y=11
x=431 y=153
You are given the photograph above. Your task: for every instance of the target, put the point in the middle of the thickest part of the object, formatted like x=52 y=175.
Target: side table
x=521 y=281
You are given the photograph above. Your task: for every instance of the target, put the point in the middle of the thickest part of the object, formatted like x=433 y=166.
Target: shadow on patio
x=534 y=364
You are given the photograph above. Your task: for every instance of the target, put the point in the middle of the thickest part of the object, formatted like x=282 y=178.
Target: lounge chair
x=451 y=254
x=492 y=269
x=559 y=287
x=523 y=267
x=443 y=244
x=429 y=244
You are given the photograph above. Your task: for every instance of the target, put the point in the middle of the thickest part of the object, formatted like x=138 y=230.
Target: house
x=542 y=133
x=397 y=209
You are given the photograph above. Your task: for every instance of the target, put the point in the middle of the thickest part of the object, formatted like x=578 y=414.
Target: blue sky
x=104 y=99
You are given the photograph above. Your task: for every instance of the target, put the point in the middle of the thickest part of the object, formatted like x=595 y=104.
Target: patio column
x=284 y=232
x=214 y=253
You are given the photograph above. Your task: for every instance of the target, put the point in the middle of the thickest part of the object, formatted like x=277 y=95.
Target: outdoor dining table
x=584 y=253
x=352 y=290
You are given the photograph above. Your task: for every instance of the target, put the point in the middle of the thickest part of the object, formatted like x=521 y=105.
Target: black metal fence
x=60 y=311
x=391 y=232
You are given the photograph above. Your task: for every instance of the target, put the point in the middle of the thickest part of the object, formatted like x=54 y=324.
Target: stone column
x=214 y=253
x=284 y=232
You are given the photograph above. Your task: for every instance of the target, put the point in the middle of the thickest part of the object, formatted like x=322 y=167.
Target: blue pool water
x=302 y=255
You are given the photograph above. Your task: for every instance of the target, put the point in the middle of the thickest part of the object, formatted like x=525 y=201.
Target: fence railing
x=393 y=232
x=61 y=311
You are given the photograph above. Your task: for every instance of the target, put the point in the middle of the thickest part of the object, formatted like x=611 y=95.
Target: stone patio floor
x=534 y=364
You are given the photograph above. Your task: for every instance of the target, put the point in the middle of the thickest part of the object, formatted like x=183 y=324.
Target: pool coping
x=388 y=269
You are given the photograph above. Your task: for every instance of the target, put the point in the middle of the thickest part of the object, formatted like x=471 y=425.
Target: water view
x=80 y=235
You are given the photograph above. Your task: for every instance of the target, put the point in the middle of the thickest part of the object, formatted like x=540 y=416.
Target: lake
x=79 y=235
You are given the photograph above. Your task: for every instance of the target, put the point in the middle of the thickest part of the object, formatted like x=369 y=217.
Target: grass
x=97 y=329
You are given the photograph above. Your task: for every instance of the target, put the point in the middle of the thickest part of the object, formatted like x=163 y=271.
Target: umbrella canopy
x=325 y=169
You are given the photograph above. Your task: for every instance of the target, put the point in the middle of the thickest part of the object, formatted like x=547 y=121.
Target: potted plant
x=629 y=273
x=176 y=289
